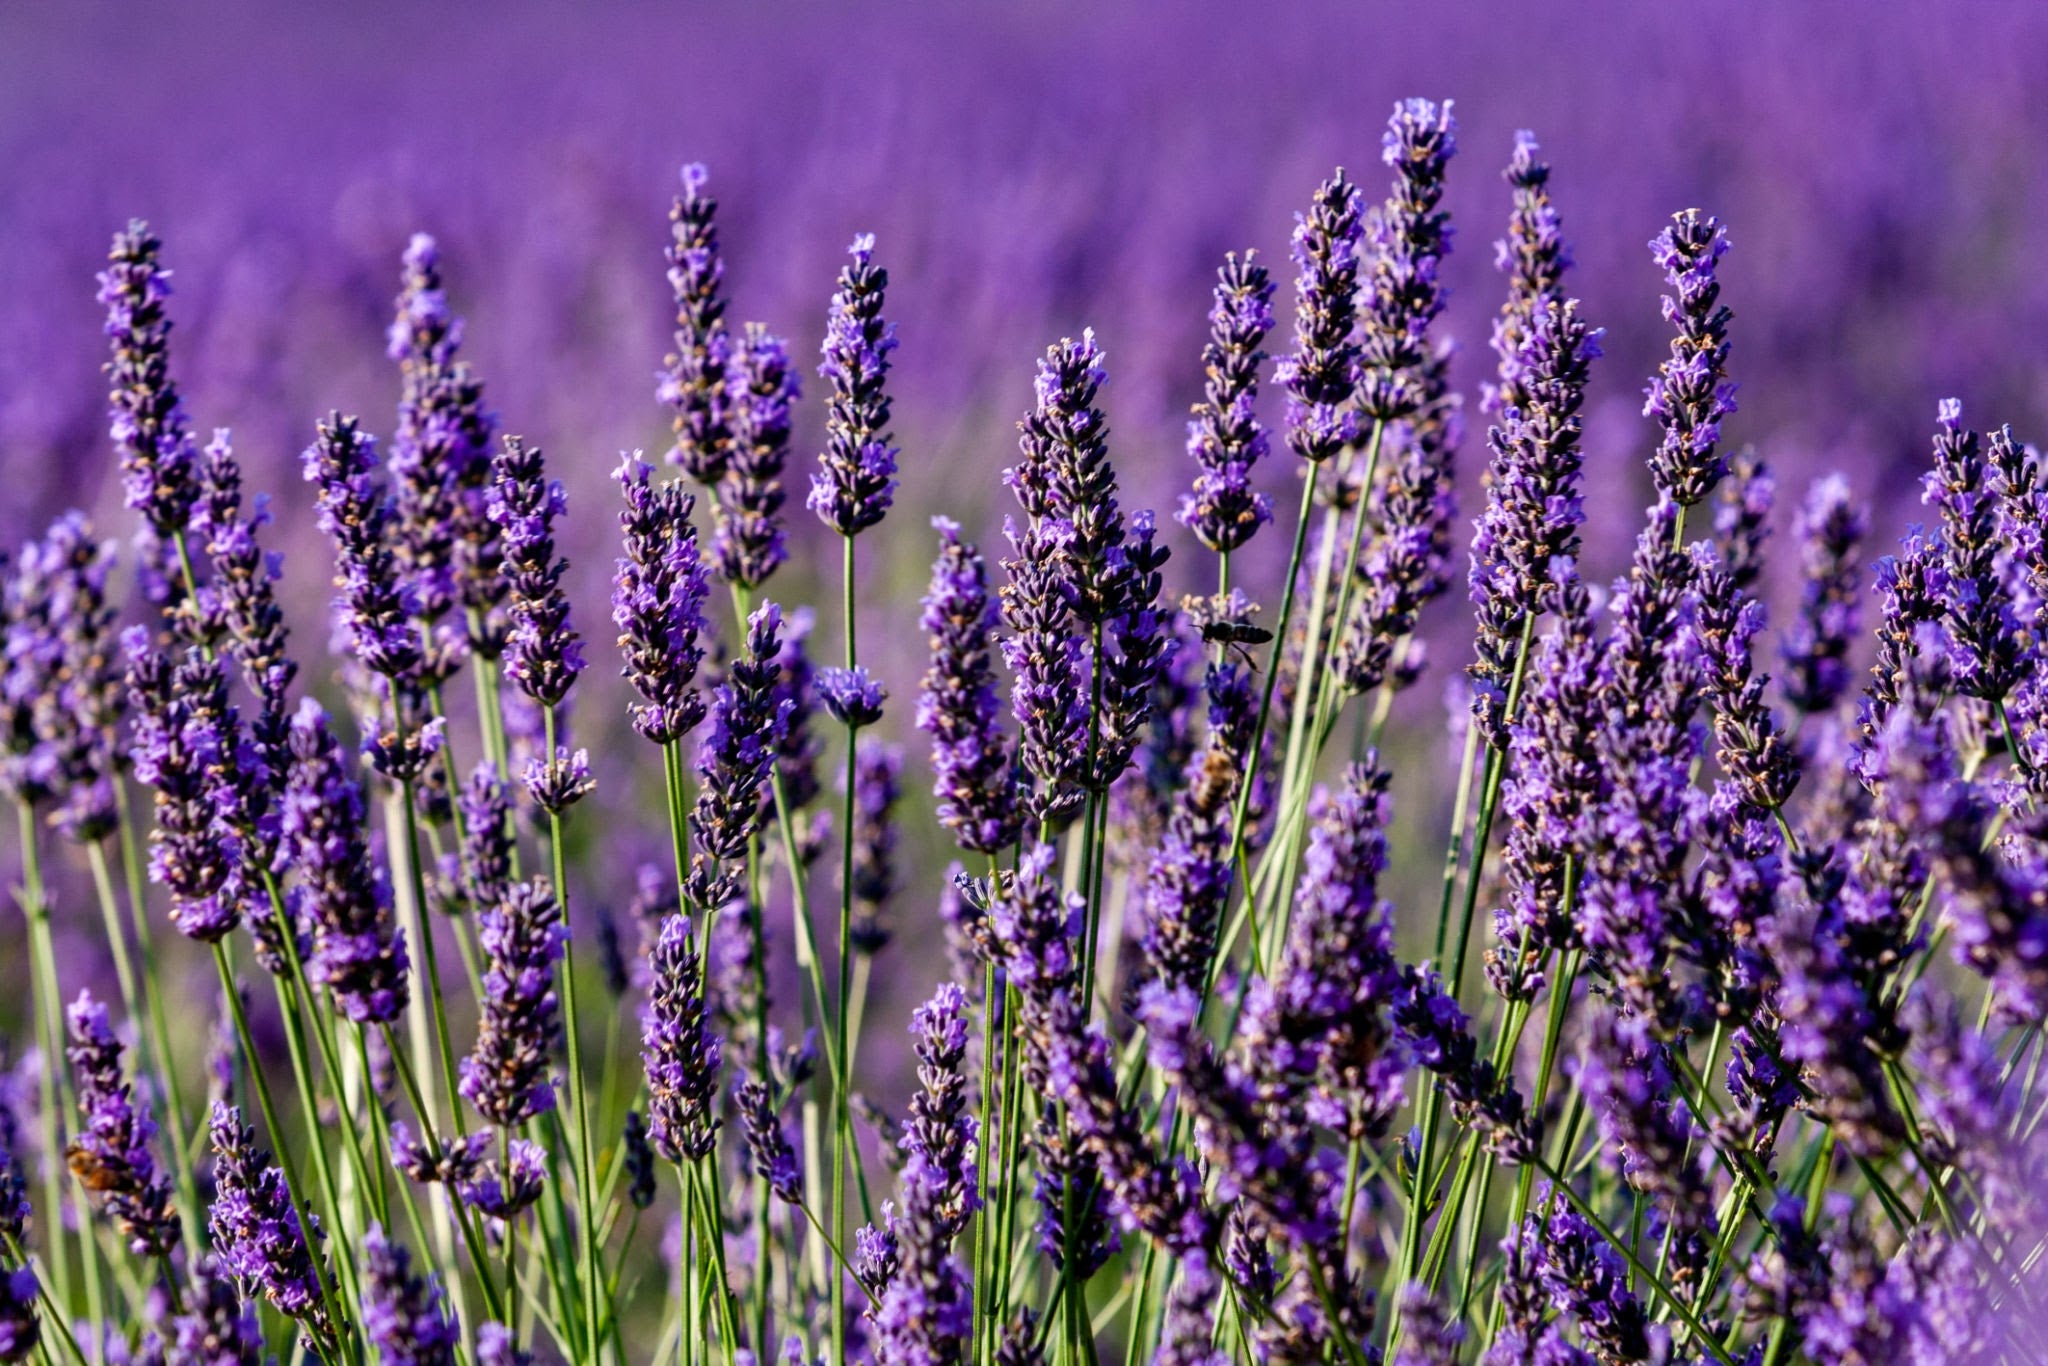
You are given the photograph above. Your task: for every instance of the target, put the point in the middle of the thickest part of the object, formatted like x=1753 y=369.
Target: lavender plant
x=1754 y=1074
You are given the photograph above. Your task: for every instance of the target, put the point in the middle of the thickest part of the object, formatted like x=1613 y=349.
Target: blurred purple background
x=1029 y=169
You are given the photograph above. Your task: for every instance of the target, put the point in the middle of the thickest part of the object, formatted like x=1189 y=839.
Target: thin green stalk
x=586 y=1167
x=52 y=1079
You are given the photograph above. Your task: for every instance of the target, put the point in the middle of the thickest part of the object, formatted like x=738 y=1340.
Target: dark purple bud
x=853 y=696
x=774 y=1161
x=877 y=774
x=1534 y=257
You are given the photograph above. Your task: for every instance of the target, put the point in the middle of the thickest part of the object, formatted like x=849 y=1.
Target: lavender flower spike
x=658 y=604
x=1690 y=394
x=749 y=542
x=1410 y=236
x=358 y=950
x=1224 y=436
x=1983 y=632
x=440 y=451
x=957 y=704
x=738 y=749
x=402 y=1313
x=149 y=426
x=112 y=1156
x=1322 y=371
x=774 y=1160
x=506 y=1075
x=694 y=384
x=856 y=478
x=1830 y=530
x=544 y=654
x=1533 y=502
x=255 y=1231
x=375 y=605
x=679 y=1049
x=1534 y=257
x=926 y=1312
x=185 y=749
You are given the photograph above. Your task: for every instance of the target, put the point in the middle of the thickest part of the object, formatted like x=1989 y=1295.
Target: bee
x=94 y=1173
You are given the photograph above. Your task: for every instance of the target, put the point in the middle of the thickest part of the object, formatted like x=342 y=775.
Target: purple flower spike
x=402 y=1313
x=856 y=478
x=1534 y=257
x=1049 y=694
x=111 y=1155
x=853 y=696
x=1751 y=746
x=255 y=1232
x=658 y=604
x=694 y=384
x=877 y=784
x=957 y=704
x=148 y=417
x=1690 y=394
x=216 y=1326
x=1440 y=1038
x=543 y=653
x=1320 y=1020
x=560 y=780
x=679 y=1049
x=440 y=452
x=1189 y=879
x=1410 y=236
x=1065 y=478
x=375 y=605
x=749 y=543
x=739 y=746
x=1533 y=503
x=1323 y=370
x=1224 y=436
x=506 y=1075
x=1983 y=630
x=927 y=1310
x=358 y=950
x=1830 y=531
x=774 y=1160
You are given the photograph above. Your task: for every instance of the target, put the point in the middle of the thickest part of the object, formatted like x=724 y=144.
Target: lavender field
x=1076 y=685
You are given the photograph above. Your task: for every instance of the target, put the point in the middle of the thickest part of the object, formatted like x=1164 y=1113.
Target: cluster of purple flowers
x=1758 y=1078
